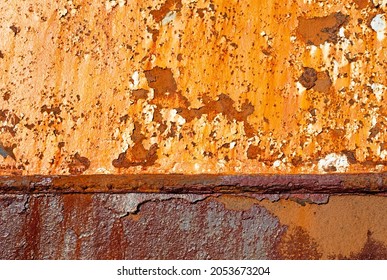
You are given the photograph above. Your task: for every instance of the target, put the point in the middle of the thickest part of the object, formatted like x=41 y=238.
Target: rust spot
x=165 y=88
x=9 y=129
x=308 y=78
x=173 y=130
x=268 y=51
x=253 y=151
x=361 y=4
x=10 y=170
x=15 y=29
x=161 y=79
x=78 y=164
x=1 y=54
x=298 y=245
x=140 y=94
x=323 y=82
x=224 y=105
x=137 y=155
x=137 y=136
x=351 y=156
x=169 y=5
x=8 y=116
x=124 y=118
x=316 y=31
x=7 y=95
x=155 y=33
x=29 y=126
x=48 y=110
x=200 y=12
x=297 y=160
x=374 y=131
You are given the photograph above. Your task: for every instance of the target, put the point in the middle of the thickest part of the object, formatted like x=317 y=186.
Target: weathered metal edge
x=337 y=183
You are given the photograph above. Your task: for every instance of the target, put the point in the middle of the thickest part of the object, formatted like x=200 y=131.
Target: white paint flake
x=378 y=24
x=333 y=162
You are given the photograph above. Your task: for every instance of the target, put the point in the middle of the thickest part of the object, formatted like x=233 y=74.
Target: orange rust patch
x=237 y=203
x=332 y=135
x=323 y=82
x=223 y=105
x=165 y=88
x=363 y=3
x=78 y=164
x=140 y=94
x=137 y=155
x=169 y=5
x=332 y=225
x=316 y=31
x=253 y=151
x=215 y=88
x=161 y=79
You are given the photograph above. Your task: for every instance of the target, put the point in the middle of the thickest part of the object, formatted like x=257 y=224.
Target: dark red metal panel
x=155 y=226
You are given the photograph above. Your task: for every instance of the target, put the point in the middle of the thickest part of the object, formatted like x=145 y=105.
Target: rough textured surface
x=280 y=103
x=179 y=86
x=364 y=183
x=146 y=226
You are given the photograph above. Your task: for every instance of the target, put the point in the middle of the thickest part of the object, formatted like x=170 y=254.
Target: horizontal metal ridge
x=335 y=183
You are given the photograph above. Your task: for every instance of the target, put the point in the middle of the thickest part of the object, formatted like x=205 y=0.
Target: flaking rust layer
x=179 y=86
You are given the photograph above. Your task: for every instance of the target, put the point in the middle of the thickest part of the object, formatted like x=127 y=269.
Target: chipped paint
x=197 y=87
x=175 y=129
x=333 y=162
x=378 y=24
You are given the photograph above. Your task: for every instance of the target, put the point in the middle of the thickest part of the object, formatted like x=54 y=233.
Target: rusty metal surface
x=146 y=226
x=179 y=129
x=365 y=183
x=179 y=86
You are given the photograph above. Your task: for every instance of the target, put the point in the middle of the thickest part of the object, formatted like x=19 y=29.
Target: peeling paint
x=215 y=91
x=177 y=129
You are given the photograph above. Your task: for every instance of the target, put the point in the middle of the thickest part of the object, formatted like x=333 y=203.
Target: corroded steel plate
x=192 y=87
